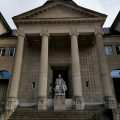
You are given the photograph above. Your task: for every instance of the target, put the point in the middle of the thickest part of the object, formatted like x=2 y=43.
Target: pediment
x=59 y=10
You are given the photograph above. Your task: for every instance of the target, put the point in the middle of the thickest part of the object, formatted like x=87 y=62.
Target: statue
x=60 y=86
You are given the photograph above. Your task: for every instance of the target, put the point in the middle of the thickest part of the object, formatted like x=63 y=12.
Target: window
x=118 y=50
x=108 y=50
x=11 y=51
x=33 y=85
x=7 y=51
x=87 y=83
x=2 y=51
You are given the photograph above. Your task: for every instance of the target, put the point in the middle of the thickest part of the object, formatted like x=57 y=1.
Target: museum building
x=60 y=41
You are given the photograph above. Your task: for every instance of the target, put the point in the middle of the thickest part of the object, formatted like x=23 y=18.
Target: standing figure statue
x=60 y=86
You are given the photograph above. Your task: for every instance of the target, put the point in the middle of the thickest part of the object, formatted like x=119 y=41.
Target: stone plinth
x=59 y=103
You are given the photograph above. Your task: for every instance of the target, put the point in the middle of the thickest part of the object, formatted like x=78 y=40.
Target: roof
x=4 y=22
x=113 y=29
x=11 y=33
x=50 y=2
x=115 y=24
x=108 y=31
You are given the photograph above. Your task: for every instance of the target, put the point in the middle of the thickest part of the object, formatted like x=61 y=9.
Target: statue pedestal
x=59 y=103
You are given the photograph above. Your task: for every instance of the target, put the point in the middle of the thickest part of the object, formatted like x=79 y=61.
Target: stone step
x=50 y=119
x=32 y=114
x=55 y=113
x=86 y=116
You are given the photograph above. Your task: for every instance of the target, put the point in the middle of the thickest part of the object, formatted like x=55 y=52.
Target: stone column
x=14 y=86
x=42 y=85
x=76 y=74
x=109 y=96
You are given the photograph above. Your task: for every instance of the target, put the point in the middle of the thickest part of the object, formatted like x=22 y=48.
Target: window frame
x=108 y=51
x=7 y=51
x=117 y=52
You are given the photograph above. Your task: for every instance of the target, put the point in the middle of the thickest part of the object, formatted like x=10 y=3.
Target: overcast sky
x=10 y=8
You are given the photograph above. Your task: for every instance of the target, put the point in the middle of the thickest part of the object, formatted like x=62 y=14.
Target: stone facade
x=60 y=37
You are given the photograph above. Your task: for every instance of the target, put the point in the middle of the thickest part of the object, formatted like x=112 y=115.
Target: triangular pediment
x=59 y=10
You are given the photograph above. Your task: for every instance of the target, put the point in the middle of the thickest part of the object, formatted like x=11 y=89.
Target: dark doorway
x=3 y=92
x=107 y=114
x=64 y=73
x=117 y=88
x=116 y=81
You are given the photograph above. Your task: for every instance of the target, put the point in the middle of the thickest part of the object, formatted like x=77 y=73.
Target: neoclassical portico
x=84 y=59
x=42 y=83
x=76 y=75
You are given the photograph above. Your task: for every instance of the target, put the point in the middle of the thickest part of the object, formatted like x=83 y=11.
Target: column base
x=116 y=115
x=11 y=105
x=78 y=103
x=42 y=103
x=110 y=102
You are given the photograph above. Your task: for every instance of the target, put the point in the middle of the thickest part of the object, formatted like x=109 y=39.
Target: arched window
x=4 y=74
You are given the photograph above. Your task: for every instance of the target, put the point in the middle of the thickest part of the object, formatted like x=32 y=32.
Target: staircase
x=32 y=114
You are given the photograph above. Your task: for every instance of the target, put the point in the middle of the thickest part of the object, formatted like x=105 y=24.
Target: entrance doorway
x=63 y=71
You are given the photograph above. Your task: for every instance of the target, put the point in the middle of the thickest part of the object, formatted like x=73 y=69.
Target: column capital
x=98 y=31
x=44 y=34
x=73 y=33
x=20 y=32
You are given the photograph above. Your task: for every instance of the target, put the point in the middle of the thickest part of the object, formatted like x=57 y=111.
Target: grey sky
x=10 y=8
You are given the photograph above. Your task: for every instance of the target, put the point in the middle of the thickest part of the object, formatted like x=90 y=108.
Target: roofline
x=5 y=22
x=115 y=21
x=104 y=15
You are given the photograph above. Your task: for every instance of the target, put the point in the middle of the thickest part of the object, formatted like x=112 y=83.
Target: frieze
x=58 y=21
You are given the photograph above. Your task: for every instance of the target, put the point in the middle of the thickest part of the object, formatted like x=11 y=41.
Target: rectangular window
x=109 y=50
x=33 y=85
x=0 y=51
x=87 y=83
x=7 y=51
x=3 y=52
x=12 y=52
x=118 y=50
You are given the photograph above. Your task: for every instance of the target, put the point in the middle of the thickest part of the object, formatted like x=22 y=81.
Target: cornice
x=60 y=20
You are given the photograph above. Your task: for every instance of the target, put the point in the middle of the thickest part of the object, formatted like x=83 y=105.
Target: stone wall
x=92 y=87
x=29 y=74
x=92 y=84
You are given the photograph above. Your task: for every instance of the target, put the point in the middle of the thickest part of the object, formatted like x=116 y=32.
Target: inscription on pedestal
x=59 y=103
